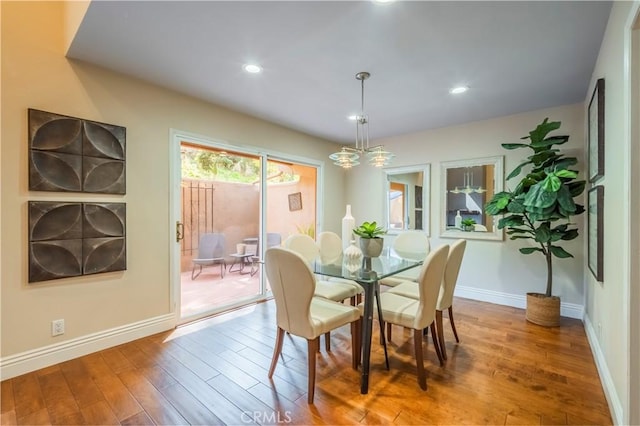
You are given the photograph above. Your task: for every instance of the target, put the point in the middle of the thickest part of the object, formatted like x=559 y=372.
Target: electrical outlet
x=57 y=327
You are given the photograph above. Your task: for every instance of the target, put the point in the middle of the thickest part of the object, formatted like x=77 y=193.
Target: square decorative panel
x=72 y=239
x=70 y=154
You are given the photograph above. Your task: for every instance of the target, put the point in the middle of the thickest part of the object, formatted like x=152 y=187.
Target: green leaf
x=517 y=170
x=521 y=237
x=513 y=230
x=560 y=252
x=515 y=206
x=543 y=156
x=566 y=174
x=576 y=188
x=553 y=140
x=498 y=203
x=570 y=235
x=561 y=228
x=543 y=234
x=538 y=197
x=529 y=250
x=543 y=130
x=564 y=163
x=511 y=221
x=514 y=145
x=551 y=183
x=566 y=200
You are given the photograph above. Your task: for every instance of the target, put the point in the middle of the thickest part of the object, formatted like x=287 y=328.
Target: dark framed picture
x=595 y=229
x=295 y=201
x=596 y=132
x=418 y=196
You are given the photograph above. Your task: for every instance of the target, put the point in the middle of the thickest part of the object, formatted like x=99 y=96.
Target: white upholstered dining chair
x=445 y=295
x=413 y=245
x=418 y=314
x=299 y=313
x=331 y=289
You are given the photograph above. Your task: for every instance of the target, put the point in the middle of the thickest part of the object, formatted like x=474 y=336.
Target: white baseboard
x=25 y=362
x=570 y=310
x=615 y=405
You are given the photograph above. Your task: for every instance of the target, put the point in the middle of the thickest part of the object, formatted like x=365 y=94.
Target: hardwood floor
x=503 y=371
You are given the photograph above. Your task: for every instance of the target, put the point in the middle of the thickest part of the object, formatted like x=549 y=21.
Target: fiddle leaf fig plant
x=369 y=230
x=542 y=204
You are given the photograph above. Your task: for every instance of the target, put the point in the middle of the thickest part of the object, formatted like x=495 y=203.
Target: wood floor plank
x=193 y=410
x=123 y=404
x=7 y=403
x=58 y=398
x=84 y=389
x=27 y=395
x=39 y=417
x=504 y=371
x=99 y=413
x=154 y=403
x=116 y=360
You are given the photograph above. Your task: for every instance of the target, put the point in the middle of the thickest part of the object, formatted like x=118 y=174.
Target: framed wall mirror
x=407 y=203
x=467 y=185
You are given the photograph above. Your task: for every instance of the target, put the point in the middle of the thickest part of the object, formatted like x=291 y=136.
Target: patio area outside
x=210 y=289
x=221 y=194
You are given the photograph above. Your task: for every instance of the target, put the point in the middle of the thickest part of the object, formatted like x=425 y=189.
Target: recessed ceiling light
x=352 y=117
x=383 y=1
x=252 y=68
x=458 y=90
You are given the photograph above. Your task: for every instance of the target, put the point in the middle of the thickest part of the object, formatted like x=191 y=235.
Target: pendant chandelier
x=348 y=156
x=467 y=185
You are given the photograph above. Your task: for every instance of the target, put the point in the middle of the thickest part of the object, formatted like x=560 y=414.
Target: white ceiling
x=515 y=57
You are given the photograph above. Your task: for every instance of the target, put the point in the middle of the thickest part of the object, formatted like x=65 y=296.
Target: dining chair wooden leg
x=453 y=324
x=353 y=301
x=417 y=342
x=327 y=341
x=276 y=351
x=388 y=332
x=358 y=345
x=312 y=348
x=355 y=338
x=436 y=345
x=443 y=349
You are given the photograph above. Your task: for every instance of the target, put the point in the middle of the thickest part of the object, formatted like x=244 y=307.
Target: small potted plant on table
x=468 y=224
x=371 y=241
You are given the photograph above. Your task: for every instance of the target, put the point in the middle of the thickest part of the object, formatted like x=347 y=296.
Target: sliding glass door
x=231 y=205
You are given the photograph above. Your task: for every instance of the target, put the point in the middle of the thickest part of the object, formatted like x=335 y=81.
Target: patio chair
x=210 y=252
x=274 y=239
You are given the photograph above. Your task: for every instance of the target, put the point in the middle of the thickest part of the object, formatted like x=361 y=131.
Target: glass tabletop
x=367 y=269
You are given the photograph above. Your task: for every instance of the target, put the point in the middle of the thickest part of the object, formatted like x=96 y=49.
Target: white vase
x=352 y=254
x=348 y=223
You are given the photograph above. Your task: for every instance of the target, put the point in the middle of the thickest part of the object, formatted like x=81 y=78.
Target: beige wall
x=607 y=303
x=489 y=266
x=35 y=74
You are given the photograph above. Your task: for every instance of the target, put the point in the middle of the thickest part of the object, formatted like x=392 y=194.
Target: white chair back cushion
x=429 y=286
x=330 y=246
x=293 y=286
x=304 y=245
x=412 y=245
x=456 y=252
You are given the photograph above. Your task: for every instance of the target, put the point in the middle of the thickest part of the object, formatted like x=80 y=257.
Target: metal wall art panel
x=72 y=239
x=70 y=154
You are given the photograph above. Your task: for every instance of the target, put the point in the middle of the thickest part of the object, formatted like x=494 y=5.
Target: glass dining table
x=367 y=272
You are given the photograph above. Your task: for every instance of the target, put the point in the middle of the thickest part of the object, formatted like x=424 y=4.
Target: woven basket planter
x=543 y=310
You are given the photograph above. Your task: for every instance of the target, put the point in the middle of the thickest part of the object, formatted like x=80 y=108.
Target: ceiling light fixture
x=458 y=90
x=252 y=68
x=348 y=156
x=467 y=185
